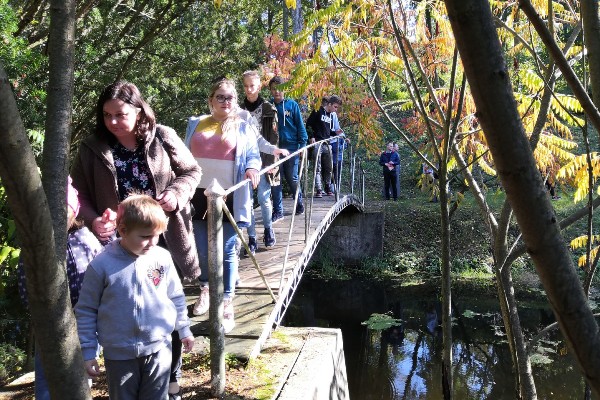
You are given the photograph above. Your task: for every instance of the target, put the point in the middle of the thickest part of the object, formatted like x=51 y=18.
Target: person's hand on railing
x=253 y=175
x=281 y=152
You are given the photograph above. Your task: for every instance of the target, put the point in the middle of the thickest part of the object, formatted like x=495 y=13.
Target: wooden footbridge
x=263 y=297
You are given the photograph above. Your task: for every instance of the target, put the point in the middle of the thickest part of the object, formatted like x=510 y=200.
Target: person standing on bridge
x=292 y=136
x=264 y=116
x=226 y=149
x=319 y=124
x=339 y=141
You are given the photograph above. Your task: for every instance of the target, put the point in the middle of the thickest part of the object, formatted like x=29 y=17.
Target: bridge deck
x=252 y=302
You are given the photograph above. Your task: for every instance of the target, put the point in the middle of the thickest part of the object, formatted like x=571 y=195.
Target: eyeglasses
x=222 y=99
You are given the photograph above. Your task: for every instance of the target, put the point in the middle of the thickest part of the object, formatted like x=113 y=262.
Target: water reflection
x=403 y=362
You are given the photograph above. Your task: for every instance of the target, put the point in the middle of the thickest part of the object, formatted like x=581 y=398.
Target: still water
x=403 y=362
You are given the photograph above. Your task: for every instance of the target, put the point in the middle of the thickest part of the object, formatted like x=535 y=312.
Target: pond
x=403 y=362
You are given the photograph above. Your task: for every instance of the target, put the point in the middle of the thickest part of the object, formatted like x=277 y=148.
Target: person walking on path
x=130 y=302
x=225 y=147
x=388 y=160
x=264 y=116
x=130 y=152
x=319 y=124
x=292 y=136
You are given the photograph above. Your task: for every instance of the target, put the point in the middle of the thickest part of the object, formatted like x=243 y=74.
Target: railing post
x=362 y=179
x=214 y=194
x=353 y=174
x=305 y=174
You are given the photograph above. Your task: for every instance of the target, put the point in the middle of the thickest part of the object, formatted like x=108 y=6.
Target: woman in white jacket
x=225 y=147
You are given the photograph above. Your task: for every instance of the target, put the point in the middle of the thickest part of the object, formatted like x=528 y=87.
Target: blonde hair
x=141 y=211
x=251 y=74
x=231 y=124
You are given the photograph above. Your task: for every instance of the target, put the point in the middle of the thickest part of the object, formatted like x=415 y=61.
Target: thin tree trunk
x=488 y=77
x=591 y=36
x=297 y=21
x=286 y=22
x=57 y=335
x=447 y=380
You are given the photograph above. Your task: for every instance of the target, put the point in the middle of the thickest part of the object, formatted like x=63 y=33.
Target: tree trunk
x=446 y=285
x=297 y=21
x=286 y=23
x=481 y=53
x=33 y=208
x=591 y=36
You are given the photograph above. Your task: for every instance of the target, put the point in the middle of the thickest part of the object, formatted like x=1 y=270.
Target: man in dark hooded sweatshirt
x=319 y=124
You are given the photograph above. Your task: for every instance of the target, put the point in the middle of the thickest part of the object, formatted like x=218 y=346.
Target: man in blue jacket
x=292 y=136
x=388 y=160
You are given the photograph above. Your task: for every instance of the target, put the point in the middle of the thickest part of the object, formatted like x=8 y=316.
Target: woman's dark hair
x=130 y=94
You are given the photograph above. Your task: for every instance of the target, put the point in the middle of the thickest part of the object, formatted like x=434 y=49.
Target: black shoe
x=275 y=217
x=269 y=238
x=319 y=194
x=252 y=245
x=300 y=209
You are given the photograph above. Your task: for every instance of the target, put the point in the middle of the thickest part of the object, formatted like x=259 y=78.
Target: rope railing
x=216 y=208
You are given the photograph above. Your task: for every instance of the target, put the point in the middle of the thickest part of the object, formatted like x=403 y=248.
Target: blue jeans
x=41 y=384
x=263 y=192
x=289 y=171
x=230 y=259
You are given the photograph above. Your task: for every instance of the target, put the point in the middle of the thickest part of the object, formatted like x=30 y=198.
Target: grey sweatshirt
x=130 y=305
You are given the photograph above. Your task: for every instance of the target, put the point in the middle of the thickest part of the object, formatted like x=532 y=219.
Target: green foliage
x=395 y=90
x=232 y=362
x=380 y=322
x=25 y=67
x=377 y=266
x=327 y=267
x=170 y=50
x=544 y=352
x=469 y=266
x=9 y=253
x=12 y=360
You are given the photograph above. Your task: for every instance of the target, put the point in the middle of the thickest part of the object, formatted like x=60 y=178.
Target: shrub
x=12 y=360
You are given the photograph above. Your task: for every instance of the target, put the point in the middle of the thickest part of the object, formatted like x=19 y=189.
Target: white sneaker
x=201 y=305
x=228 y=317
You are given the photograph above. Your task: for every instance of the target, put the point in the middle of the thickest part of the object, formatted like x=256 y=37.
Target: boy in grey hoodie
x=130 y=302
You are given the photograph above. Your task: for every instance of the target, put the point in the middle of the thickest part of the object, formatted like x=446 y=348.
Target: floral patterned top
x=82 y=247
x=132 y=171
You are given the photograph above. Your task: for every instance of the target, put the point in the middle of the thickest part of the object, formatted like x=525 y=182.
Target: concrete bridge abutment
x=352 y=237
